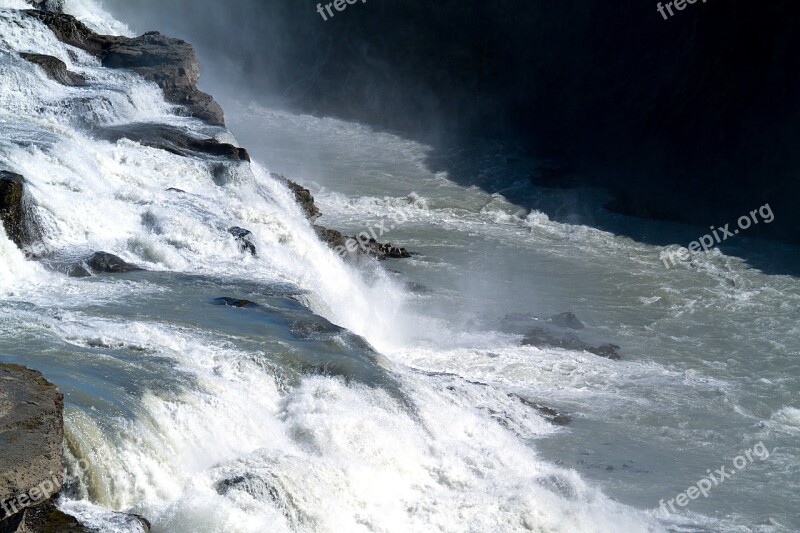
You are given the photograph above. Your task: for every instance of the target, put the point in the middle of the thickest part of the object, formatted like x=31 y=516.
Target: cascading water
x=291 y=391
x=210 y=418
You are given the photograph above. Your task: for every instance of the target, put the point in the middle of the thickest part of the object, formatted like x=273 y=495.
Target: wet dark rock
x=103 y=262
x=55 y=6
x=55 y=69
x=242 y=236
x=331 y=237
x=553 y=416
x=170 y=63
x=353 y=248
x=305 y=329
x=15 y=214
x=545 y=338
x=31 y=436
x=348 y=247
x=235 y=302
x=46 y=518
x=173 y=140
x=78 y=271
x=550 y=333
x=567 y=320
x=303 y=197
x=179 y=191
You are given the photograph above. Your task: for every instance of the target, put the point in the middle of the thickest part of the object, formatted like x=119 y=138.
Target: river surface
x=377 y=397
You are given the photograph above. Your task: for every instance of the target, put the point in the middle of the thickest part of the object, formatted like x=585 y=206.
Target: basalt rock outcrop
x=55 y=69
x=31 y=436
x=349 y=247
x=56 y=6
x=173 y=140
x=353 y=247
x=15 y=213
x=31 y=462
x=170 y=63
x=303 y=196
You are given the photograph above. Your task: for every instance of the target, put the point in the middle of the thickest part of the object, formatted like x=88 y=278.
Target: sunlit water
x=344 y=401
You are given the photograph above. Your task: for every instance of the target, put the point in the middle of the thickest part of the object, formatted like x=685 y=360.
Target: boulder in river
x=104 y=262
x=243 y=237
x=355 y=248
x=15 y=215
x=567 y=320
x=55 y=69
x=173 y=140
x=551 y=333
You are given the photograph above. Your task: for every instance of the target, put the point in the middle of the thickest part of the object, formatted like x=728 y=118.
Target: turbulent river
x=374 y=397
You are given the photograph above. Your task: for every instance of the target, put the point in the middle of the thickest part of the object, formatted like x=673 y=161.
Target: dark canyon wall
x=695 y=118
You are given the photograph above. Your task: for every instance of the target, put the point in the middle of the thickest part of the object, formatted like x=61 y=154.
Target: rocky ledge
x=352 y=248
x=31 y=455
x=55 y=69
x=170 y=63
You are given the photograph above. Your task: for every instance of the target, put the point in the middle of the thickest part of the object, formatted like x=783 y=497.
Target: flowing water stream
x=372 y=397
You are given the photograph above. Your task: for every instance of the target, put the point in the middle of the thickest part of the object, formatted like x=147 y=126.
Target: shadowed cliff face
x=693 y=119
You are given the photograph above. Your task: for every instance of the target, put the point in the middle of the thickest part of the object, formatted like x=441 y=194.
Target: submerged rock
x=550 y=414
x=174 y=140
x=544 y=338
x=550 y=333
x=170 y=63
x=16 y=217
x=234 y=302
x=55 y=69
x=567 y=320
x=242 y=236
x=103 y=262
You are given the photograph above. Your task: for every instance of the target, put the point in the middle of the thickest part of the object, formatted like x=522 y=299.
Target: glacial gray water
x=341 y=400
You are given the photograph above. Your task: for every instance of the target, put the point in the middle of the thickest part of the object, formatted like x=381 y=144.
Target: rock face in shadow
x=17 y=220
x=55 y=69
x=170 y=63
x=31 y=436
x=173 y=140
